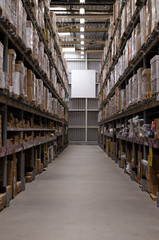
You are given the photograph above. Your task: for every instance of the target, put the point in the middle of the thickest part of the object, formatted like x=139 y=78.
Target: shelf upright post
x=22 y=179
x=103 y=130
x=86 y=121
x=32 y=151
x=126 y=146
x=134 y=161
x=4 y=132
x=143 y=180
x=119 y=161
x=116 y=158
x=39 y=148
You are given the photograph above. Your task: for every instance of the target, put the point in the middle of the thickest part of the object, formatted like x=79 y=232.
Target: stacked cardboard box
x=3 y=201
x=11 y=59
x=155 y=74
x=152 y=175
x=28 y=177
x=146 y=76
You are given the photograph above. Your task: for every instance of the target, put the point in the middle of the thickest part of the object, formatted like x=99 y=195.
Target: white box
x=154 y=67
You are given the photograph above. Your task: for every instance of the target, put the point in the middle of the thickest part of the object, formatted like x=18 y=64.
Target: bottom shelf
x=130 y=157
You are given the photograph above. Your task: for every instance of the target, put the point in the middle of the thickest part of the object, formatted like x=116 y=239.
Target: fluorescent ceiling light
x=82 y=1
x=82 y=11
x=82 y=36
x=68 y=49
x=58 y=9
x=81 y=29
x=82 y=52
x=82 y=42
x=82 y=20
x=82 y=56
x=64 y=34
x=82 y=48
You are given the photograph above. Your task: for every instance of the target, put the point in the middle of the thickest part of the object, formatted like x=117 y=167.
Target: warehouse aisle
x=82 y=196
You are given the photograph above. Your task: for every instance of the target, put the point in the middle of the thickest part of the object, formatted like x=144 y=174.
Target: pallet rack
x=46 y=135
x=114 y=142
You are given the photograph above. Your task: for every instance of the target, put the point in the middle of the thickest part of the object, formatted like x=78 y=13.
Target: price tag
x=150 y=156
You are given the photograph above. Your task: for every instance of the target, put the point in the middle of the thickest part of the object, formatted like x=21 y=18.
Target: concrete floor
x=82 y=196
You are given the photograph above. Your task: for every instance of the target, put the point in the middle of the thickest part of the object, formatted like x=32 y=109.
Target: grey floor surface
x=83 y=195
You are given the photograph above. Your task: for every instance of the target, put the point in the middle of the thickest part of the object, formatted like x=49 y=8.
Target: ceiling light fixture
x=82 y=11
x=82 y=57
x=82 y=36
x=64 y=34
x=82 y=48
x=82 y=20
x=82 y=52
x=82 y=1
x=81 y=29
x=82 y=42
x=68 y=49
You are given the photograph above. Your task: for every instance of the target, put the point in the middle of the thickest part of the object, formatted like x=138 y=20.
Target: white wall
x=83 y=84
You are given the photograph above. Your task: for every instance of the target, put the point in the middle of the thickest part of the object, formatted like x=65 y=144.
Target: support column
x=86 y=130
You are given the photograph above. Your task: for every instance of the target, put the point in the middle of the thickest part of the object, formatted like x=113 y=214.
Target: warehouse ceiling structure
x=83 y=24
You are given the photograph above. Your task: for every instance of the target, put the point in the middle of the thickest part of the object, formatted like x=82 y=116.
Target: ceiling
x=97 y=18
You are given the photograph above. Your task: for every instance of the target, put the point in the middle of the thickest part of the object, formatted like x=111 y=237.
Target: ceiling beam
x=90 y=51
x=65 y=42
x=78 y=24
x=106 y=16
x=77 y=30
x=95 y=3
x=86 y=40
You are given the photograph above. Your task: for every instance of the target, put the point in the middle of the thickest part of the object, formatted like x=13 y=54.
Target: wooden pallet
x=154 y=197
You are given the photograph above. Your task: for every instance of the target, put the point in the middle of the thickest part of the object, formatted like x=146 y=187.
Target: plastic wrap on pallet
x=146 y=77
x=140 y=84
x=2 y=80
x=13 y=13
x=138 y=38
x=143 y=23
x=35 y=45
x=18 y=79
x=19 y=14
x=29 y=35
x=24 y=31
x=155 y=74
x=135 y=88
x=11 y=64
x=6 y=8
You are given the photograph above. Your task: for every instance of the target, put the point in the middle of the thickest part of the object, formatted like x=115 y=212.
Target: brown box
x=146 y=77
x=156 y=133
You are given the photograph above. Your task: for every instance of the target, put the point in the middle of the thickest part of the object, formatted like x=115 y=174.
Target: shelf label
x=150 y=156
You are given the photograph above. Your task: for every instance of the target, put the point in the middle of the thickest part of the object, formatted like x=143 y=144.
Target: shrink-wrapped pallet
x=146 y=78
x=143 y=25
x=35 y=45
x=11 y=62
x=29 y=35
x=13 y=13
x=19 y=16
x=18 y=79
x=6 y=8
x=24 y=30
x=155 y=74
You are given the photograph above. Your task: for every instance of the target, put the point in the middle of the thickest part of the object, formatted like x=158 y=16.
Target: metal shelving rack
x=83 y=120
x=147 y=109
x=42 y=136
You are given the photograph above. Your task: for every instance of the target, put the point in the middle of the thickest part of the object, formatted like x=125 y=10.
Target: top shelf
x=28 y=7
x=124 y=40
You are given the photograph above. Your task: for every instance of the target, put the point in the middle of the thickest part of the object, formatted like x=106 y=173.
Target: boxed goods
x=19 y=16
x=29 y=35
x=155 y=74
x=156 y=129
x=143 y=25
x=146 y=78
x=19 y=186
x=28 y=177
x=11 y=59
x=3 y=201
x=6 y=8
x=18 y=79
x=140 y=84
x=30 y=86
x=152 y=175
